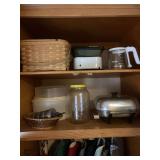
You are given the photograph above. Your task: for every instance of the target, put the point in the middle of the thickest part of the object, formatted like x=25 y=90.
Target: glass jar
x=79 y=103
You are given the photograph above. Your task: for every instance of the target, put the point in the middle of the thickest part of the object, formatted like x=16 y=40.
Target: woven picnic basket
x=45 y=54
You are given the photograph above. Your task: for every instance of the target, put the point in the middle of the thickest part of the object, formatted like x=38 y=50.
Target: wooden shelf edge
x=77 y=72
x=77 y=134
x=95 y=128
x=73 y=10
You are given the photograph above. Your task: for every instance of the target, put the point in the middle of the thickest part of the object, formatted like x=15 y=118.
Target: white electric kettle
x=119 y=57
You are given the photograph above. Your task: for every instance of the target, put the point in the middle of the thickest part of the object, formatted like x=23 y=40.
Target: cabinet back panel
x=80 y=29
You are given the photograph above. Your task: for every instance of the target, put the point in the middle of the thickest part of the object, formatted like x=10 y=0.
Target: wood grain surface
x=80 y=10
x=94 y=128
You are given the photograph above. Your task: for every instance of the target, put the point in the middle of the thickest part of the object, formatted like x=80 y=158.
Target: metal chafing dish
x=117 y=106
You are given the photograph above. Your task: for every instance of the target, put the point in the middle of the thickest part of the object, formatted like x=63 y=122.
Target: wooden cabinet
x=103 y=25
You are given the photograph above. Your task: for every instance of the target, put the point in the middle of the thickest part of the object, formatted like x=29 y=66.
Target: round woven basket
x=45 y=54
x=46 y=123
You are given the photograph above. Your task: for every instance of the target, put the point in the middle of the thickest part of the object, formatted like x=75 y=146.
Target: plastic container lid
x=90 y=51
x=50 y=91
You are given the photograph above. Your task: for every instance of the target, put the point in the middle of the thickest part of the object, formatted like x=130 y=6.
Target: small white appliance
x=87 y=63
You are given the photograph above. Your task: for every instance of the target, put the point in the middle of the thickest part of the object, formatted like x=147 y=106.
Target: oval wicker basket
x=45 y=54
x=46 y=123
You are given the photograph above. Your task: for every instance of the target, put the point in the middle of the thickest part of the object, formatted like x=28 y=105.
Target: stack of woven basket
x=45 y=55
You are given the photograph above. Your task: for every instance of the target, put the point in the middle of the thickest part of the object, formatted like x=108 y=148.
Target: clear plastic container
x=47 y=97
x=58 y=103
x=50 y=91
x=79 y=104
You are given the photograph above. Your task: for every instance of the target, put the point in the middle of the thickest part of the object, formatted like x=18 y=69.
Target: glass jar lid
x=78 y=86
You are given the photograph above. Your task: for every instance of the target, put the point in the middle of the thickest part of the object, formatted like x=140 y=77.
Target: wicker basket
x=46 y=123
x=45 y=54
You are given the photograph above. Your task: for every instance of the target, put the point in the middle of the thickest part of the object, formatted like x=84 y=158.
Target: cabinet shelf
x=81 y=73
x=75 y=11
x=92 y=129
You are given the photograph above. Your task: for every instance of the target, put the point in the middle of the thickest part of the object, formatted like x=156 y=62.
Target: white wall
x=96 y=86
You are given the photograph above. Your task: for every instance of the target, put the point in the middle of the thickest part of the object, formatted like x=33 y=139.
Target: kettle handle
x=135 y=54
